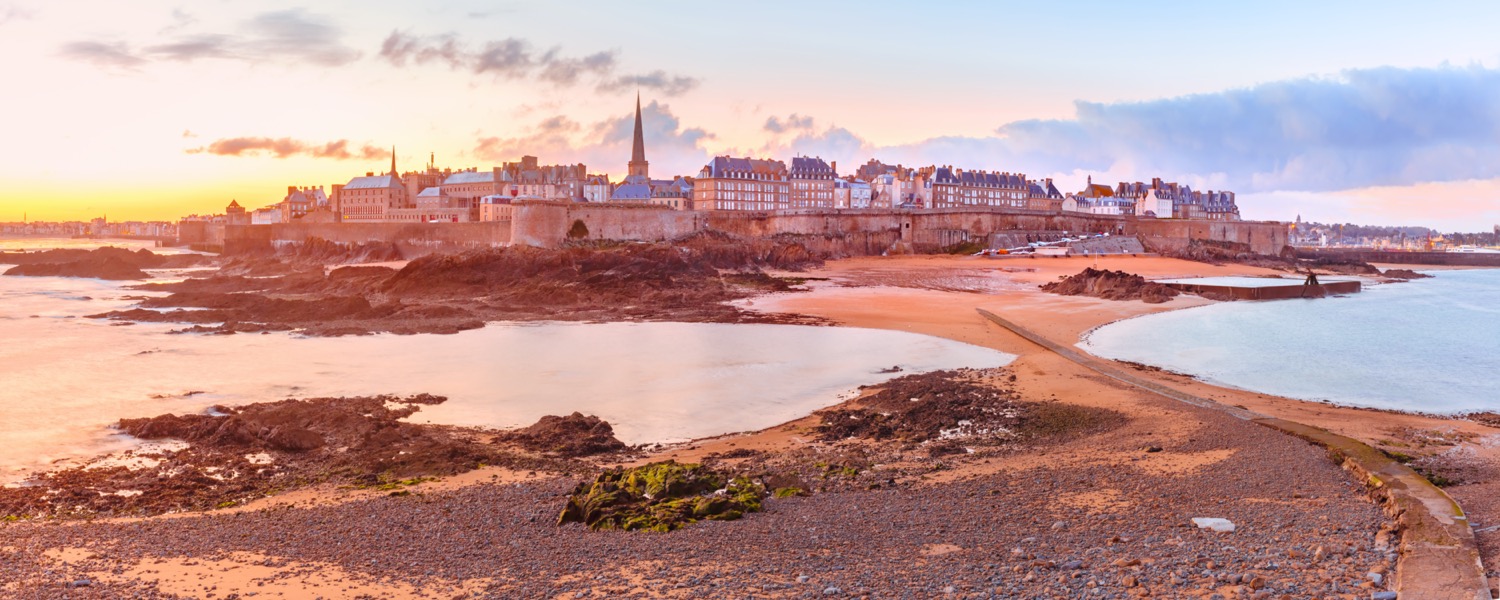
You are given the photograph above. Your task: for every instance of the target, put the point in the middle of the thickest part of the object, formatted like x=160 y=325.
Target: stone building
x=957 y=187
x=810 y=182
x=676 y=194
x=849 y=192
x=234 y=214
x=369 y=198
x=1043 y=196
x=741 y=184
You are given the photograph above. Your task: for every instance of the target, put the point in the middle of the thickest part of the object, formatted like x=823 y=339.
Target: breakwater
x=1452 y=259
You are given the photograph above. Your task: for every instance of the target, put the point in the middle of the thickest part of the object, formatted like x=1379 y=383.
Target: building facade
x=370 y=198
x=742 y=184
x=810 y=183
x=956 y=187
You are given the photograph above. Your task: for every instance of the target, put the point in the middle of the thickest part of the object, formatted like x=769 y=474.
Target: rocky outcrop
x=952 y=409
x=1111 y=285
x=572 y=436
x=688 y=280
x=99 y=263
x=241 y=453
x=1404 y=274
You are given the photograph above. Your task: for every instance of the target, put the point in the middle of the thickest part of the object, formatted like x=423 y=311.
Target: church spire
x=393 y=160
x=638 y=164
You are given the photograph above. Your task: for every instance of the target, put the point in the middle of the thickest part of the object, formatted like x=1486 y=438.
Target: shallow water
x=65 y=379
x=1430 y=345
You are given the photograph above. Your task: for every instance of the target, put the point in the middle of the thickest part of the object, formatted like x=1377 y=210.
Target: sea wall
x=548 y=224
x=832 y=232
x=414 y=239
x=1456 y=259
x=865 y=232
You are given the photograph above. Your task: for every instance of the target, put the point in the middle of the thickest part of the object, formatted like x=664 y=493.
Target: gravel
x=1304 y=529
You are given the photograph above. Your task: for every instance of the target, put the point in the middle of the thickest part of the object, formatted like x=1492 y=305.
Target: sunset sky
x=1369 y=112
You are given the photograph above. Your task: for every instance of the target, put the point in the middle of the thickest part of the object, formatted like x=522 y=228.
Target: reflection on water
x=64 y=379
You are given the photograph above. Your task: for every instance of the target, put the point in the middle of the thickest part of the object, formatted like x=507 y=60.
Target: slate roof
x=462 y=177
x=806 y=167
x=374 y=182
x=632 y=191
x=724 y=166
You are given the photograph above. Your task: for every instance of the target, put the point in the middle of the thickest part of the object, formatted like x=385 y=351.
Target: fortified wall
x=867 y=232
x=414 y=239
x=835 y=232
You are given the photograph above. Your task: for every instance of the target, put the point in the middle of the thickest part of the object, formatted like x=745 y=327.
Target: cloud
x=663 y=83
x=115 y=55
x=399 y=49
x=1363 y=128
x=515 y=58
x=12 y=12
x=605 y=145
x=566 y=71
x=288 y=36
x=1367 y=127
x=293 y=36
x=795 y=122
x=288 y=147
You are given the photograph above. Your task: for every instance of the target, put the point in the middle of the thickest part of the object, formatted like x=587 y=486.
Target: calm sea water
x=65 y=379
x=1431 y=345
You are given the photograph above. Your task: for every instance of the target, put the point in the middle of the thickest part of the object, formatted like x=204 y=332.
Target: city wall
x=835 y=232
x=867 y=232
x=414 y=239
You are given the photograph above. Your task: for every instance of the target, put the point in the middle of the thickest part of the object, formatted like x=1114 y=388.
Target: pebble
x=1383 y=596
x=865 y=538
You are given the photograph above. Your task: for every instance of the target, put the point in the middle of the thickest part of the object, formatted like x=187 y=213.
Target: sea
x=1428 y=345
x=66 y=380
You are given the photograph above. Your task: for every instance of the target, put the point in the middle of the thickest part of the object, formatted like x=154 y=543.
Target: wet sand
x=1106 y=514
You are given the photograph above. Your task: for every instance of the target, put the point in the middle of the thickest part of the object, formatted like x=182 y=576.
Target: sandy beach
x=1102 y=514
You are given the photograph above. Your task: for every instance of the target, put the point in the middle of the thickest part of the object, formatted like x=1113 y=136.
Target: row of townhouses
x=725 y=183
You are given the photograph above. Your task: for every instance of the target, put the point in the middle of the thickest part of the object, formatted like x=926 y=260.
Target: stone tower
x=638 y=164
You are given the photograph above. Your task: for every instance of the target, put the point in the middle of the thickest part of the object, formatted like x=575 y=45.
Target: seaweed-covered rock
x=660 y=497
x=950 y=411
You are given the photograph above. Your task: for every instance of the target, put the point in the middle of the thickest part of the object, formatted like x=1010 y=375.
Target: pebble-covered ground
x=1065 y=529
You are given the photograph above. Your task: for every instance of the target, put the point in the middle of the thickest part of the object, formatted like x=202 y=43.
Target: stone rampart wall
x=836 y=232
x=414 y=239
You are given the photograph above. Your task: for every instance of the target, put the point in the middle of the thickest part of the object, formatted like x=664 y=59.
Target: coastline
x=861 y=292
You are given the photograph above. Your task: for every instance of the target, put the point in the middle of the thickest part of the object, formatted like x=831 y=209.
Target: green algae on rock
x=660 y=496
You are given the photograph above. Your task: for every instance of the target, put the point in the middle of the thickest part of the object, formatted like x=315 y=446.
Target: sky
x=1366 y=112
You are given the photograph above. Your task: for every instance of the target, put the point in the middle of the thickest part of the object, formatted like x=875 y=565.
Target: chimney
x=834 y=165
x=369 y=173
x=291 y=189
